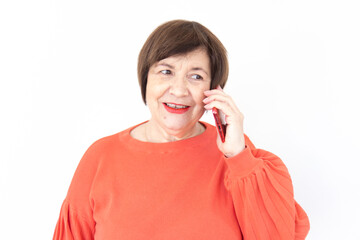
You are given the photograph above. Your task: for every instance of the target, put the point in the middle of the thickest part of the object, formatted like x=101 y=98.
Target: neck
x=155 y=133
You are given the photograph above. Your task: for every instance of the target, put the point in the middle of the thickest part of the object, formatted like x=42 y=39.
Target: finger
x=214 y=91
x=217 y=97
x=221 y=98
x=228 y=110
x=223 y=106
x=225 y=99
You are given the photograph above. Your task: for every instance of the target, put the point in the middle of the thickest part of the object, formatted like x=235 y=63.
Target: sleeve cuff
x=243 y=163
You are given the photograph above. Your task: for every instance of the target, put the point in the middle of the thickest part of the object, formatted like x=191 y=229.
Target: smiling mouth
x=176 y=108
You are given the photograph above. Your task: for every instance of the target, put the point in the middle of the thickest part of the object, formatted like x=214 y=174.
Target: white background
x=68 y=77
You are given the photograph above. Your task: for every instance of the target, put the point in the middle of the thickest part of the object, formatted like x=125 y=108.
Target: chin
x=176 y=125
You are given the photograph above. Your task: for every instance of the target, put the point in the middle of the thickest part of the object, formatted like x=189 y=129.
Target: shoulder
x=113 y=140
x=104 y=146
x=101 y=144
x=98 y=152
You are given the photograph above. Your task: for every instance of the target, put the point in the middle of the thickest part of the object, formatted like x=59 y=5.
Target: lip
x=177 y=111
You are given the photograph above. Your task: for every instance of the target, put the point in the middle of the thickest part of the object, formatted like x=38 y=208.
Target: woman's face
x=175 y=90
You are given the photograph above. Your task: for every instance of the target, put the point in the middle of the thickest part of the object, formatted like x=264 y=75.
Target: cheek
x=198 y=99
x=199 y=94
x=152 y=90
x=155 y=90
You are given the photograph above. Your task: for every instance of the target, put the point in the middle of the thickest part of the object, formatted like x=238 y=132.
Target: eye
x=165 y=72
x=196 y=76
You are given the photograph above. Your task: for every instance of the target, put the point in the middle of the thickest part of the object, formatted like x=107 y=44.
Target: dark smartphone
x=220 y=125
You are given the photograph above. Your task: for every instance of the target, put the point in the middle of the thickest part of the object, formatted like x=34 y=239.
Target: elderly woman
x=172 y=177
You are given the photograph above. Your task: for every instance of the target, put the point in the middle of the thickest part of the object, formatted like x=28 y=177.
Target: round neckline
x=179 y=145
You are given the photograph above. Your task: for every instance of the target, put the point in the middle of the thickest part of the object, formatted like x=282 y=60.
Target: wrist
x=232 y=154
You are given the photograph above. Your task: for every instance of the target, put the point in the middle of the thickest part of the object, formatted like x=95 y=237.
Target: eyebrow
x=200 y=69
x=165 y=65
x=172 y=67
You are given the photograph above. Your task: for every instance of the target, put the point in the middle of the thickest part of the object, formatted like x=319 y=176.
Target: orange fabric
x=127 y=189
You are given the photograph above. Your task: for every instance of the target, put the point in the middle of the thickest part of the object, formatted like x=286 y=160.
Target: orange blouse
x=127 y=189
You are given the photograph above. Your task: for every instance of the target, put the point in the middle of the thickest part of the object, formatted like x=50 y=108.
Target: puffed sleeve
x=72 y=225
x=76 y=214
x=263 y=196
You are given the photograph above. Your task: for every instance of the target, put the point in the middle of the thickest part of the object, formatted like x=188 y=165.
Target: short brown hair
x=180 y=37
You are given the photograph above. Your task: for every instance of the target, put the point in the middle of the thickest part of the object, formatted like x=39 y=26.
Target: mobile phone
x=220 y=125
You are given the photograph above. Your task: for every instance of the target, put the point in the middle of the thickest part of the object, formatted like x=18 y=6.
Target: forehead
x=197 y=57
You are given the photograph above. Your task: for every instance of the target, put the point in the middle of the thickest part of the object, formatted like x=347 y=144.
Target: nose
x=179 y=87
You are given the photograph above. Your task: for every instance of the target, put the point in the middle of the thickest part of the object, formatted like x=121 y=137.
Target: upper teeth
x=175 y=106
